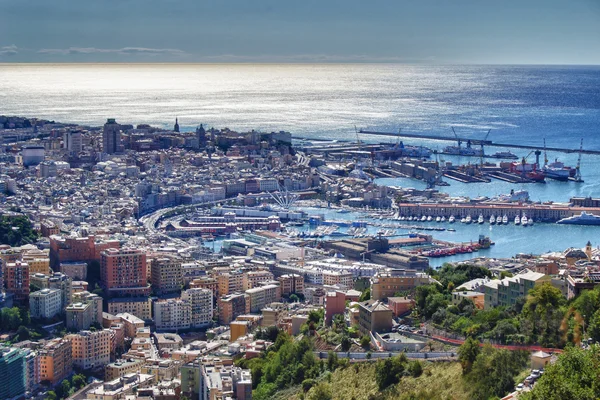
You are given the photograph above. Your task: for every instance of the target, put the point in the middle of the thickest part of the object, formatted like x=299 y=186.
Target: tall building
x=201 y=301
x=45 y=303
x=231 y=306
x=172 y=314
x=259 y=297
x=91 y=349
x=201 y=136
x=12 y=373
x=85 y=311
x=176 y=127
x=111 y=137
x=253 y=279
x=291 y=283
x=230 y=282
x=86 y=249
x=57 y=280
x=166 y=275
x=72 y=142
x=124 y=272
x=16 y=280
x=56 y=360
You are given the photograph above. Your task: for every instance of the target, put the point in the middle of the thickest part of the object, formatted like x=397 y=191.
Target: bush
x=415 y=369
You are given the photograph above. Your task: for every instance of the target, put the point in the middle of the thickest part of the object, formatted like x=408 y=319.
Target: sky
x=402 y=31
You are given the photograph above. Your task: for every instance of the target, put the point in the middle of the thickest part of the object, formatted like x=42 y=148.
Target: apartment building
x=45 y=303
x=390 y=281
x=340 y=278
x=166 y=275
x=231 y=306
x=172 y=314
x=374 y=316
x=56 y=360
x=57 y=280
x=121 y=368
x=291 y=283
x=16 y=280
x=259 y=297
x=506 y=292
x=91 y=349
x=201 y=302
x=123 y=272
x=141 y=307
x=77 y=270
x=253 y=279
x=85 y=310
x=13 y=369
x=230 y=282
x=219 y=380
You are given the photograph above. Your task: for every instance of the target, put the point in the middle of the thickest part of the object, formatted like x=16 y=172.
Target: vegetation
x=573 y=377
x=16 y=230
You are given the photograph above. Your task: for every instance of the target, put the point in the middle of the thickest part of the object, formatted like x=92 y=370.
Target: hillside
x=439 y=381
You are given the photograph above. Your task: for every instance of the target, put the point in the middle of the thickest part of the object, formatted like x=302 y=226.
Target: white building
x=201 y=302
x=45 y=303
x=91 y=349
x=172 y=314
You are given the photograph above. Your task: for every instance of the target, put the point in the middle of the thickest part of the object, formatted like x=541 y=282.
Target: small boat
x=530 y=222
x=480 y=220
x=517 y=220
x=451 y=230
x=438 y=219
x=429 y=218
x=524 y=220
x=451 y=219
x=468 y=220
x=423 y=218
x=443 y=219
x=505 y=219
x=492 y=220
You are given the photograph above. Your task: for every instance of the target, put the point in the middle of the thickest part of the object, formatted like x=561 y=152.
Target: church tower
x=176 y=127
x=201 y=134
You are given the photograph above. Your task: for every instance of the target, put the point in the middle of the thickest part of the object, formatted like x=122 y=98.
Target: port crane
x=577 y=177
x=456 y=136
x=481 y=144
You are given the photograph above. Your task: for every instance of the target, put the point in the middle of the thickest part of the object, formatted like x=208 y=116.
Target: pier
x=477 y=142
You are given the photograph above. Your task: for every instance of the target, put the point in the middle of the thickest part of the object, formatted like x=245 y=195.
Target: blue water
x=521 y=104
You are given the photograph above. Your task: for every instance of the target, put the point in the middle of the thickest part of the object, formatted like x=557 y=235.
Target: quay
x=477 y=142
x=539 y=212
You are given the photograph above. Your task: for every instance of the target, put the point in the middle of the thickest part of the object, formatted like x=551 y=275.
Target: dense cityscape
x=142 y=262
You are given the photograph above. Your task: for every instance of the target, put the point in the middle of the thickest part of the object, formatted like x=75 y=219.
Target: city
x=155 y=262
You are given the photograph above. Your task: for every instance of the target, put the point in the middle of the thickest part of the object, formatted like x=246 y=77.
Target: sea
x=520 y=104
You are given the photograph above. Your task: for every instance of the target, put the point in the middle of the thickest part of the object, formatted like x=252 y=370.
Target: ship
x=582 y=219
x=507 y=155
x=558 y=171
x=463 y=151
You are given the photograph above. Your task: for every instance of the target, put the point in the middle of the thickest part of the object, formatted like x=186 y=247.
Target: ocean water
x=521 y=104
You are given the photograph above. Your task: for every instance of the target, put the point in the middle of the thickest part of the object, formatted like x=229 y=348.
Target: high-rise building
x=291 y=283
x=72 y=142
x=45 y=303
x=166 y=275
x=56 y=360
x=124 y=272
x=91 y=349
x=12 y=373
x=231 y=306
x=253 y=279
x=16 y=280
x=201 y=301
x=65 y=249
x=172 y=314
x=230 y=282
x=111 y=137
x=85 y=310
x=57 y=280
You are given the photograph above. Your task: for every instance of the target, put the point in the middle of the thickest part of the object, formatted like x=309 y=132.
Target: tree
x=389 y=371
x=366 y=295
x=415 y=368
x=467 y=354
x=346 y=343
x=51 y=395
x=594 y=327
x=332 y=361
x=365 y=342
x=78 y=381
x=574 y=376
x=544 y=314
x=320 y=392
x=66 y=387
x=294 y=298
x=11 y=318
x=23 y=333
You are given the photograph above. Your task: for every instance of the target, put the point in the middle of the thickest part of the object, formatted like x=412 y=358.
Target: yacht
x=517 y=220
x=451 y=219
x=429 y=218
x=443 y=219
x=463 y=220
x=438 y=219
x=524 y=220
x=423 y=218
x=468 y=220
x=530 y=221
x=505 y=219
x=480 y=220
x=492 y=220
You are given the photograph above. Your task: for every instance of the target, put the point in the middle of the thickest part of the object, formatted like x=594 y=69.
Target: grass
x=440 y=381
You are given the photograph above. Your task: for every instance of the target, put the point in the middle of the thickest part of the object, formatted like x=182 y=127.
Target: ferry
x=558 y=171
x=505 y=155
x=582 y=219
x=463 y=151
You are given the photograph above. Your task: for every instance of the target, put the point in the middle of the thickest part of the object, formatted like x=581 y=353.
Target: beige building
x=76 y=270
x=121 y=368
x=261 y=296
x=172 y=314
x=162 y=370
x=85 y=311
x=131 y=323
x=38 y=263
x=91 y=349
x=141 y=307
x=291 y=283
x=387 y=283
x=374 y=316
x=205 y=282
x=166 y=275
x=56 y=360
x=120 y=388
x=343 y=278
x=45 y=303
x=230 y=282
x=219 y=380
x=253 y=279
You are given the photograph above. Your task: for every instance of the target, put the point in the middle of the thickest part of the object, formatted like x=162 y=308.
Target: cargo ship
x=582 y=219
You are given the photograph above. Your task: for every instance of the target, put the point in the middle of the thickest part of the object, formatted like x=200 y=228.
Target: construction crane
x=577 y=177
x=456 y=136
x=482 y=152
x=358 y=142
x=545 y=154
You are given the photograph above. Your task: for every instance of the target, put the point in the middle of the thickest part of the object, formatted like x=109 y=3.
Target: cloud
x=9 y=50
x=122 y=51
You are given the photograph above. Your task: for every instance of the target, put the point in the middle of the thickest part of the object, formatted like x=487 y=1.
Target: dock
x=508 y=177
x=464 y=178
x=476 y=142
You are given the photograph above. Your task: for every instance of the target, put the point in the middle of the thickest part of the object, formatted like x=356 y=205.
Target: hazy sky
x=440 y=31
